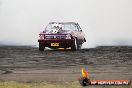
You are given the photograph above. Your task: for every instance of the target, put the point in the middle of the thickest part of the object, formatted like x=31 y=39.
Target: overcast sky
x=105 y=22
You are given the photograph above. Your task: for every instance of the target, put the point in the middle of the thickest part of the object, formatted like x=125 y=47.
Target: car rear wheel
x=41 y=47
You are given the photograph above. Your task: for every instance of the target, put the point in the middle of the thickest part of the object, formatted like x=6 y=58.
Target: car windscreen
x=48 y=28
x=66 y=27
x=69 y=27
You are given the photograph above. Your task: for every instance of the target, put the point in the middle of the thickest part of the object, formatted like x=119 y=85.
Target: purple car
x=61 y=35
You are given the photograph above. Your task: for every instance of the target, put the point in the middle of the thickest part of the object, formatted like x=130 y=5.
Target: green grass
x=13 y=84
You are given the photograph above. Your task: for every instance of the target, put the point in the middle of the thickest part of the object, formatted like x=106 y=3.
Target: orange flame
x=84 y=73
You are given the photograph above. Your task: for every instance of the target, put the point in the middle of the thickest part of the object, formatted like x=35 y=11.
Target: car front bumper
x=63 y=43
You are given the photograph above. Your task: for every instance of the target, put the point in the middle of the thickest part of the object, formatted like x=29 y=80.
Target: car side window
x=79 y=28
x=76 y=28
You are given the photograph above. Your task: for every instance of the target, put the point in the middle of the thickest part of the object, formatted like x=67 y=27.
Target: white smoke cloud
x=105 y=22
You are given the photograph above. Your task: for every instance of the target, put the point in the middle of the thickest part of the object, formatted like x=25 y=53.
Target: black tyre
x=41 y=47
x=79 y=46
x=85 y=81
x=74 y=46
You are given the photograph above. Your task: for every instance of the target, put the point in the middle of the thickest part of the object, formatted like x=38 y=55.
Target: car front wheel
x=41 y=47
x=74 y=45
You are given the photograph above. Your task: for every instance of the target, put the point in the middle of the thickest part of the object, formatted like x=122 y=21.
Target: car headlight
x=41 y=36
x=68 y=36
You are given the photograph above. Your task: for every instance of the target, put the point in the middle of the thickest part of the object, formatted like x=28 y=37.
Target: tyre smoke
x=105 y=22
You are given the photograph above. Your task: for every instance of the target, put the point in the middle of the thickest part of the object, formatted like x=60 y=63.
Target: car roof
x=63 y=22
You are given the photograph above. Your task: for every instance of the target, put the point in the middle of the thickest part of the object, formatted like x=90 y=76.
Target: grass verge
x=14 y=84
